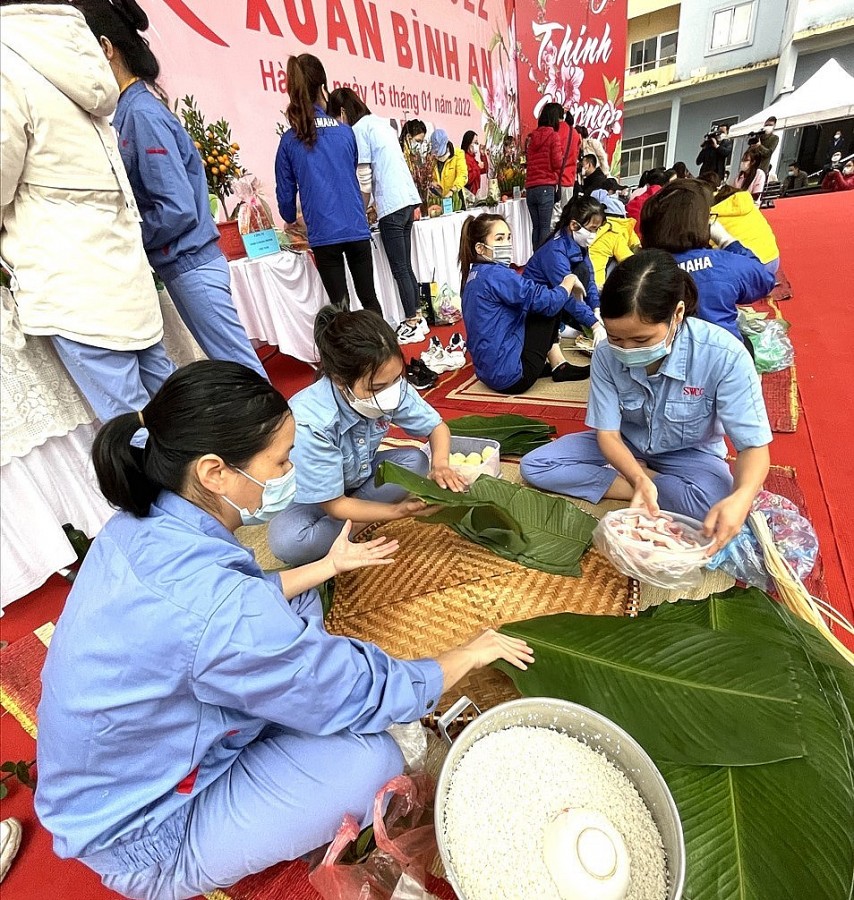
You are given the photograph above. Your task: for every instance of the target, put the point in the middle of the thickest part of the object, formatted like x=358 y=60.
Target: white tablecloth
x=278 y=296
x=46 y=477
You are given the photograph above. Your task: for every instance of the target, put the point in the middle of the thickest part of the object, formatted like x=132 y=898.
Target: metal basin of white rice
x=516 y=767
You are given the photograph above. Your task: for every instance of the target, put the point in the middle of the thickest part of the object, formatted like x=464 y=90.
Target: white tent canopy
x=828 y=95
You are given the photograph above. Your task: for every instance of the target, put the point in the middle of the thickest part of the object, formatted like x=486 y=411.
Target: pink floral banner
x=573 y=52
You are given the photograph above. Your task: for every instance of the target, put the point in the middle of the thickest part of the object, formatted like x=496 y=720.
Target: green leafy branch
x=16 y=771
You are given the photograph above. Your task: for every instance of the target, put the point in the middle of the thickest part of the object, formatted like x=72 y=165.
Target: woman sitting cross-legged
x=511 y=323
x=665 y=390
x=197 y=722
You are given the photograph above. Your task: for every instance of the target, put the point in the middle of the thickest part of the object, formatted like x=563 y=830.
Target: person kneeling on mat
x=511 y=323
x=565 y=251
x=341 y=421
x=197 y=721
x=665 y=389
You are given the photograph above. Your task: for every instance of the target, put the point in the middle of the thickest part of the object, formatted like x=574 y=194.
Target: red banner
x=573 y=52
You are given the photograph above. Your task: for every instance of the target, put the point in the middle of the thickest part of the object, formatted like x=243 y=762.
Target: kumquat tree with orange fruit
x=218 y=152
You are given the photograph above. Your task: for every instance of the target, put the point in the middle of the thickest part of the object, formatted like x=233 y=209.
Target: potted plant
x=222 y=167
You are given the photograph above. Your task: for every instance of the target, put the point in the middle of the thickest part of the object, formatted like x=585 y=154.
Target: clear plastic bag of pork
x=667 y=551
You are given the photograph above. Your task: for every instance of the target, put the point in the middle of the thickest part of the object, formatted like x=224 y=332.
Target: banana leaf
x=786 y=830
x=520 y=524
x=516 y=434
x=686 y=693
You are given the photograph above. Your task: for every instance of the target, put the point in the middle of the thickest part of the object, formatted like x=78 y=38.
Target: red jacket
x=544 y=156
x=569 y=169
x=634 y=207
x=476 y=169
x=836 y=181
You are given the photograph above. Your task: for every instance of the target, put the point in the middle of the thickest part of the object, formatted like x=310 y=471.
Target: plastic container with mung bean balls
x=466 y=445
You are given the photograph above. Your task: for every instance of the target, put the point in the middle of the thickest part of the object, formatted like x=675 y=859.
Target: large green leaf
x=526 y=526
x=555 y=532
x=686 y=693
x=786 y=830
x=516 y=434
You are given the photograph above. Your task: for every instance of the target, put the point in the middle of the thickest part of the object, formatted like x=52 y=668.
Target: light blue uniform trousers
x=114 y=381
x=303 y=533
x=283 y=796
x=690 y=482
x=202 y=297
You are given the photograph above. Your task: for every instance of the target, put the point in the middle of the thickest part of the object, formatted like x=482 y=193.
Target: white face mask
x=837 y=135
x=848 y=170
x=277 y=496
x=584 y=237
x=378 y=405
x=501 y=253
x=475 y=148
x=768 y=129
x=744 y=167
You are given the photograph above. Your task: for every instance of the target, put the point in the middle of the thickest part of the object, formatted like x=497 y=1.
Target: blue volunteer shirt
x=496 y=303
x=335 y=447
x=561 y=256
x=725 y=278
x=325 y=177
x=169 y=183
x=706 y=388
x=175 y=651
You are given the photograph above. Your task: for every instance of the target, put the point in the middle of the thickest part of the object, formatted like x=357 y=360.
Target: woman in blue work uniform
x=512 y=323
x=665 y=389
x=197 y=722
x=341 y=420
x=317 y=158
x=677 y=220
x=565 y=251
x=168 y=181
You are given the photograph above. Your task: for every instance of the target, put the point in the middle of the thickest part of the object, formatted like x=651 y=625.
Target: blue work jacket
x=175 y=651
x=168 y=181
x=706 y=388
x=335 y=447
x=325 y=177
x=496 y=303
x=725 y=278
x=561 y=256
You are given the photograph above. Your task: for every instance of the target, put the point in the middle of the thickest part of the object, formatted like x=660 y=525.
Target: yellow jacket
x=455 y=174
x=616 y=239
x=743 y=220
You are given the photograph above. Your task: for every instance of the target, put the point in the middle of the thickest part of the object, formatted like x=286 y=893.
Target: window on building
x=642 y=153
x=653 y=52
x=732 y=26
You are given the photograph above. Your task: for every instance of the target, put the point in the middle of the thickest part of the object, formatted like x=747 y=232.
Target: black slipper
x=547 y=370
x=566 y=372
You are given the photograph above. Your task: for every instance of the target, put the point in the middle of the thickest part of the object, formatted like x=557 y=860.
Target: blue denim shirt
x=174 y=651
x=707 y=387
x=168 y=181
x=335 y=446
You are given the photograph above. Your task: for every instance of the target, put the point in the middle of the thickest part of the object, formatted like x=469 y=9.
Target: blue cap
x=613 y=205
x=439 y=142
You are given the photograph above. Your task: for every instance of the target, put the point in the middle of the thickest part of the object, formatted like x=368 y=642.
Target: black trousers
x=541 y=334
x=330 y=266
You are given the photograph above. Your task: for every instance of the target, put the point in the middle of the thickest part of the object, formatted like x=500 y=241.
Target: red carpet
x=813 y=235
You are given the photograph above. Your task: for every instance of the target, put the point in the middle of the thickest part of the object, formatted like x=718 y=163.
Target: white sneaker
x=422 y=325
x=409 y=334
x=434 y=347
x=10 y=841
x=442 y=361
x=567 y=333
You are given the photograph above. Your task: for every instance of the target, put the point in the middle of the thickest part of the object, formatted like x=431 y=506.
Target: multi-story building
x=695 y=64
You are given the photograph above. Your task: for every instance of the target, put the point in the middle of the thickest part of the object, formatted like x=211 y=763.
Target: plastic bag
x=406 y=846
x=793 y=534
x=658 y=566
x=253 y=213
x=773 y=351
x=447 y=307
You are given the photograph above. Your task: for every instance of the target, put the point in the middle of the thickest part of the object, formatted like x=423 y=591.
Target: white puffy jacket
x=69 y=226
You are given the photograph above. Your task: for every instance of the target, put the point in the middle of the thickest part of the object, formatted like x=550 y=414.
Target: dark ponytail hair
x=347 y=99
x=650 y=285
x=121 y=22
x=581 y=209
x=475 y=231
x=206 y=407
x=306 y=78
x=353 y=345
